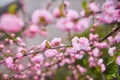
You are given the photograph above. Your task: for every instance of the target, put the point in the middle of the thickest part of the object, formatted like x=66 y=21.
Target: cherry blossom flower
x=94 y=7
x=51 y=53
x=10 y=23
x=64 y=24
x=80 y=43
x=42 y=16
x=111 y=51
x=9 y=62
x=118 y=60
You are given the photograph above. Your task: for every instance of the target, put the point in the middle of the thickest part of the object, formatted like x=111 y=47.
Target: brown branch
x=111 y=33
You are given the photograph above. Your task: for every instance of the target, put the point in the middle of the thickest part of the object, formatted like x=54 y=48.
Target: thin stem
x=10 y=38
x=111 y=33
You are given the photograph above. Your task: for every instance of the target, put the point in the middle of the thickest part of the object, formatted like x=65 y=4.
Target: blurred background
x=31 y=5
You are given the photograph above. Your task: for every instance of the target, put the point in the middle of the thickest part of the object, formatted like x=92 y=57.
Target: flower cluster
x=92 y=55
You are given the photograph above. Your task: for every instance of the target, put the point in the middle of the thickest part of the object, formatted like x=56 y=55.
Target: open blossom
x=109 y=13
x=94 y=7
x=57 y=13
x=81 y=25
x=9 y=62
x=31 y=31
x=56 y=41
x=38 y=58
x=118 y=60
x=44 y=44
x=102 y=67
x=81 y=69
x=19 y=55
x=51 y=53
x=65 y=24
x=117 y=38
x=111 y=51
x=10 y=23
x=80 y=43
x=72 y=14
x=42 y=16
x=100 y=61
x=96 y=52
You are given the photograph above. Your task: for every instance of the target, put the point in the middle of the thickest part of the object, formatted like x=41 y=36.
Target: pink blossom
x=64 y=24
x=70 y=51
x=10 y=23
x=72 y=14
x=44 y=44
x=80 y=43
x=111 y=40
x=91 y=62
x=41 y=16
x=111 y=51
x=38 y=58
x=109 y=13
x=102 y=67
x=9 y=62
x=82 y=13
x=81 y=25
x=94 y=7
x=19 y=55
x=5 y=76
x=56 y=12
x=79 y=56
x=117 y=38
x=51 y=53
x=20 y=67
x=81 y=69
x=31 y=31
x=100 y=61
x=43 y=33
x=118 y=60
x=96 y=52
x=56 y=41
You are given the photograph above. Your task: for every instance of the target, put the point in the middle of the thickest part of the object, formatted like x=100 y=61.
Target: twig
x=111 y=33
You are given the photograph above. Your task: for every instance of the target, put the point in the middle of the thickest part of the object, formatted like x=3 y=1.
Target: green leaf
x=84 y=5
x=47 y=44
x=12 y=8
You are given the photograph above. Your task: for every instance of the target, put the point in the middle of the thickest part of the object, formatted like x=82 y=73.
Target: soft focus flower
x=81 y=69
x=80 y=43
x=109 y=12
x=43 y=33
x=64 y=24
x=38 y=58
x=10 y=23
x=91 y=61
x=31 y=31
x=72 y=14
x=9 y=62
x=20 y=67
x=100 y=61
x=117 y=38
x=44 y=44
x=51 y=53
x=111 y=51
x=81 y=25
x=118 y=60
x=19 y=55
x=41 y=16
x=94 y=7
x=102 y=67
x=56 y=41
x=57 y=13
x=96 y=52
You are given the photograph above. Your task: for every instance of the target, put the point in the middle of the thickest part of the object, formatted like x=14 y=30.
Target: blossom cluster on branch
x=91 y=57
